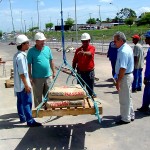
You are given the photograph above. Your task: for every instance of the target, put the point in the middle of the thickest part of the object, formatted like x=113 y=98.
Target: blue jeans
x=146 y=96
x=24 y=107
x=137 y=82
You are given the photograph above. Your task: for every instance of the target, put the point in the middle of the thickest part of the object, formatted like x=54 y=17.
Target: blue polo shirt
x=125 y=59
x=40 y=61
x=147 y=69
x=20 y=66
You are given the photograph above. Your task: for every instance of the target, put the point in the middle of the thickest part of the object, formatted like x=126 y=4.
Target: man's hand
x=27 y=89
x=118 y=85
x=81 y=52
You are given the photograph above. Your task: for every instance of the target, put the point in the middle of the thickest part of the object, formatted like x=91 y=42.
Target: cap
x=39 y=36
x=136 y=36
x=21 y=39
x=85 y=36
x=147 y=34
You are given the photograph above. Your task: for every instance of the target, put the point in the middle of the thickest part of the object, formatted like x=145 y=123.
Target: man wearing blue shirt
x=112 y=55
x=124 y=71
x=41 y=67
x=146 y=94
x=22 y=85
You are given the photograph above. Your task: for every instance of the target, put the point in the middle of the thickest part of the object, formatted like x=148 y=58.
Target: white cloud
x=142 y=10
x=106 y=1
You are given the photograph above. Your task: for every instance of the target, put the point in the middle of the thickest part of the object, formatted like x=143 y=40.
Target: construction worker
x=22 y=85
x=146 y=94
x=83 y=61
x=41 y=67
x=138 y=64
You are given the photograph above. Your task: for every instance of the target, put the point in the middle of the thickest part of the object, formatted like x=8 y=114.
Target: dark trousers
x=88 y=77
x=113 y=63
x=146 y=96
x=137 y=82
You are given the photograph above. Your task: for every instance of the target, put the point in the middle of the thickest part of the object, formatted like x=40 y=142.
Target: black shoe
x=121 y=122
x=134 y=90
x=132 y=120
x=143 y=109
x=139 y=89
x=35 y=124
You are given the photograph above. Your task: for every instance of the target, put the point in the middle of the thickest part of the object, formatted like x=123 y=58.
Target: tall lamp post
x=117 y=13
x=38 y=14
x=21 y=22
x=76 y=23
x=12 y=16
x=99 y=14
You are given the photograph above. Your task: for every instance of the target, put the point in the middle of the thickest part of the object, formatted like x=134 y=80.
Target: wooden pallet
x=74 y=111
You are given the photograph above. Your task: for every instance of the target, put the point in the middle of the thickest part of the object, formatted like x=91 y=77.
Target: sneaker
x=35 y=124
x=22 y=121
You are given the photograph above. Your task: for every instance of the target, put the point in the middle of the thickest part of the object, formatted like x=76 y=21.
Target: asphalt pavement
x=72 y=132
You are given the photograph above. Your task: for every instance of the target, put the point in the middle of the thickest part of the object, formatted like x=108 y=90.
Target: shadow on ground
x=71 y=136
x=58 y=136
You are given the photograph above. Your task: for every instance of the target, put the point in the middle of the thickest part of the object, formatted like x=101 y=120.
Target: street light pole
x=12 y=16
x=90 y=20
x=76 y=23
x=117 y=13
x=38 y=14
x=21 y=22
x=25 y=26
x=99 y=13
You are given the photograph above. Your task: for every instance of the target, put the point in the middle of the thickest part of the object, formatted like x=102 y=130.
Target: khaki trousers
x=40 y=88
x=125 y=99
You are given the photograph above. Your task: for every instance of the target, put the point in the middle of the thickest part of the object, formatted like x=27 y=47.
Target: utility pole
x=12 y=17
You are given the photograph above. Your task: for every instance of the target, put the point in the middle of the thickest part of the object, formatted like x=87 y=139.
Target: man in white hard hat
x=83 y=61
x=41 y=67
x=22 y=85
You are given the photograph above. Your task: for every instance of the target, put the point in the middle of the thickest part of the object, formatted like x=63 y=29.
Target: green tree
x=108 y=20
x=129 y=21
x=69 y=22
x=1 y=33
x=91 y=21
x=144 y=19
x=126 y=13
x=33 y=29
x=49 y=26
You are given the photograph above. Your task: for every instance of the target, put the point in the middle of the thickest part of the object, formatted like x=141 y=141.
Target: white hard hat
x=39 y=36
x=85 y=36
x=21 y=39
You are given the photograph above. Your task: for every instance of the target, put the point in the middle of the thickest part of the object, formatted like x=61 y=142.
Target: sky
x=25 y=14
